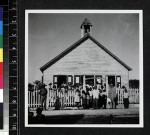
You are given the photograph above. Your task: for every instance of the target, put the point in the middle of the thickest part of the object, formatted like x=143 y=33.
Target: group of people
x=92 y=97
x=96 y=97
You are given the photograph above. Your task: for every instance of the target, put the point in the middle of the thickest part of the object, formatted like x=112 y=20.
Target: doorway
x=89 y=79
x=61 y=79
x=111 y=80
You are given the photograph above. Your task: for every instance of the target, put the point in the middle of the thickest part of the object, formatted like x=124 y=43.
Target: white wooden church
x=86 y=58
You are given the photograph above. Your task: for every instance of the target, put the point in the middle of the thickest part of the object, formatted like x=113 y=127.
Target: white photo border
x=141 y=117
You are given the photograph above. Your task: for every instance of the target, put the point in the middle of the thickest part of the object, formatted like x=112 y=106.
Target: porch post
x=115 y=81
x=47 y=99
x=106 y=85
x=94 y=81
x=84 y=82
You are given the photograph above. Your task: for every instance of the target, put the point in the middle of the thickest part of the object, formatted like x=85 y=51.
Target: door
x=89 y=79
x=61 y=79
x=111 y=81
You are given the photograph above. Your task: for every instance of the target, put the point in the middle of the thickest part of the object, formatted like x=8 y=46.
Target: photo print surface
x=84 y=68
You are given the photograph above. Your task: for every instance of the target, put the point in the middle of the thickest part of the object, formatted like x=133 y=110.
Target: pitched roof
x=76 y=44
x=86 y=22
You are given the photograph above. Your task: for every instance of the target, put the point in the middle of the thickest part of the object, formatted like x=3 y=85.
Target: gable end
x=75 y=45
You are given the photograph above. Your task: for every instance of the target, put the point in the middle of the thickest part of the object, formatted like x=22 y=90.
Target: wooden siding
x=87 y=59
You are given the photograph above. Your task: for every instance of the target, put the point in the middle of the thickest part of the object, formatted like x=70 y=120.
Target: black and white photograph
x=83 y=68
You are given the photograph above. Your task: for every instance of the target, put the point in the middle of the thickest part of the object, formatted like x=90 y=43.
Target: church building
x=86 y=61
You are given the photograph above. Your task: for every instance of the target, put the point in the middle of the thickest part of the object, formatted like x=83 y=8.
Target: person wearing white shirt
x=95 y=97
x=91 y=97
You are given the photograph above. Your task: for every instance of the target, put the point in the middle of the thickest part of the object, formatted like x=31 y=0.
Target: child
x=57 y=104
x=77 y=98
x=108 y=103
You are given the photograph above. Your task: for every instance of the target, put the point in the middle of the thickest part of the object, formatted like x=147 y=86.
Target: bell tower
x=86 y=27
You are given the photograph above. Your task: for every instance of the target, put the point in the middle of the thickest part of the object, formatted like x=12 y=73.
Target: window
x=98 y=80
x=55 y=79
x=118 y=81
x=70 y=79
x=78 y=79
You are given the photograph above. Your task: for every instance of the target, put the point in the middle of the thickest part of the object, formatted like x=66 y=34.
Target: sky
x=50 y=34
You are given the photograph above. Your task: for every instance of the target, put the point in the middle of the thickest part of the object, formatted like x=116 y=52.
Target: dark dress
x=43 y=93
x=126 y=100
x=84 y=101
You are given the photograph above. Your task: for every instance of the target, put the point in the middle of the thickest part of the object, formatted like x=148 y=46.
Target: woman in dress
x=126 y=98
x=77 y=97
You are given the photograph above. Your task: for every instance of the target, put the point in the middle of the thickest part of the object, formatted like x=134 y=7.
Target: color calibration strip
x=13 y=69
x=1 y=68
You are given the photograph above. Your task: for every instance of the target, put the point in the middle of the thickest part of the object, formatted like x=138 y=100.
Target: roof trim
x=76 y=44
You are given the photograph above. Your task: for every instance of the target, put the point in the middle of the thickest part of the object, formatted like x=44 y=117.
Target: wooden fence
x=133 y=96
x=68 y=99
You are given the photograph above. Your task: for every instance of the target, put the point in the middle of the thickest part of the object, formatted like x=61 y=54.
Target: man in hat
x=30 y=87
x=38 y=85
x=43 y=93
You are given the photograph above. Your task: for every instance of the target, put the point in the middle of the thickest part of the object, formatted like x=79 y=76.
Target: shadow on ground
x=81 y=119
x=61 y=119
x=134 y=119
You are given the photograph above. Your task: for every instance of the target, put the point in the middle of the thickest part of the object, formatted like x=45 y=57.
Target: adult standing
x=43 y=93
x=95 y=97
x=91 y=97
x=125 y=98
x=100 y=97
x=104 y=97
x=63 y=96
x=112 y=95
x=84 y=99
x=88 y=100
